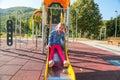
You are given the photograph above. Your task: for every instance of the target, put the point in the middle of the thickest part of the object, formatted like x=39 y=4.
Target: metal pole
x=105 y=34
x=32 y=30
x=15 y=30
x=27 y=29
x=116 y=24
x=68 y=23
x=100 y=33
x=20 y=26
x=43 y=28
x=72 y=33
x=64 y=17
x=36 y=37
x=20 y=31
x=76 y=24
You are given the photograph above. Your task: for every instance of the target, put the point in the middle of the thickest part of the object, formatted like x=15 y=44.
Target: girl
x=55 y=43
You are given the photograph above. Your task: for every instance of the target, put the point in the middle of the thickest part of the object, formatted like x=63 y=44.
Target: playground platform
x=89 y=60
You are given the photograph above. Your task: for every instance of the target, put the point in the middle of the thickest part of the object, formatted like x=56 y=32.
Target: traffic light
x=9 y=32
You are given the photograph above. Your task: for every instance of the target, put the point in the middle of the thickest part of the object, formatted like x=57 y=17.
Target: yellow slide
x=59 y=72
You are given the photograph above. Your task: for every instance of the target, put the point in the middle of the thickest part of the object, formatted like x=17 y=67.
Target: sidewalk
x=99 y=44
x=103 y=45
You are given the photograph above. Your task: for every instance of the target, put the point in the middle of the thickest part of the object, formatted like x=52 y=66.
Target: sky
x=27 y=3
x=107 y=7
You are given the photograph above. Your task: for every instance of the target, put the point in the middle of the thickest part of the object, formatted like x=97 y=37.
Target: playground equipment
x=18 y=30
x=23 y=25
x=9 y=32
x=21 y=29
x=36 y=17
x=51 y=16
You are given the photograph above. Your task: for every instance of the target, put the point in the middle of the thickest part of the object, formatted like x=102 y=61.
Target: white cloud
x=27 y=3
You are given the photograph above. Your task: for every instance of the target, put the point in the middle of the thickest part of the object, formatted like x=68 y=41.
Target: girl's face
x=60 y=28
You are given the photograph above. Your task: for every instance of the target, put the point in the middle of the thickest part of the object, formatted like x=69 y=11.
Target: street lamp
x=116 y=23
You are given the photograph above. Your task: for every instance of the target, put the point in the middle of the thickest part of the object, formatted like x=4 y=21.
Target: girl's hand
x=47 y=47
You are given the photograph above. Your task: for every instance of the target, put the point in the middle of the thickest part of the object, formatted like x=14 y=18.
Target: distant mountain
x=25 y=11
x=14 y=9
x=11 y=12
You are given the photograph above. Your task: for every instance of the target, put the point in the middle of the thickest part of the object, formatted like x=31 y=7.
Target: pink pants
x=59 y=50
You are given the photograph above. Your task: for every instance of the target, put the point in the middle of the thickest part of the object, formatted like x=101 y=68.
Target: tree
x=111 y=27
x=88 y=17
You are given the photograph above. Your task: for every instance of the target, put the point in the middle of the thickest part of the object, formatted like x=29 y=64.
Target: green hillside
x=24 y=12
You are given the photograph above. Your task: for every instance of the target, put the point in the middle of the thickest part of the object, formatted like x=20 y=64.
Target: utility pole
x=116 y=24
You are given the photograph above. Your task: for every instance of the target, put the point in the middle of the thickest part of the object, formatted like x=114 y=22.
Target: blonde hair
x=60 y=24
